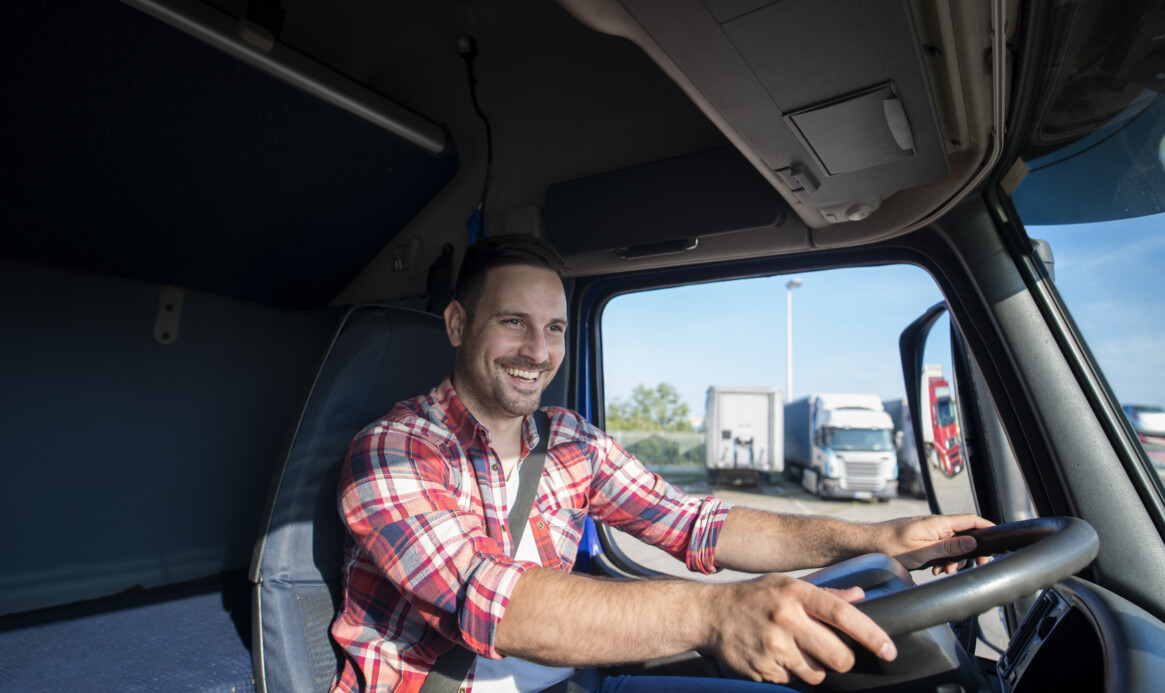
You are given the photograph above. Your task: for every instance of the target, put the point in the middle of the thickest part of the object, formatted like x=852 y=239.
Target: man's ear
x=455 y=319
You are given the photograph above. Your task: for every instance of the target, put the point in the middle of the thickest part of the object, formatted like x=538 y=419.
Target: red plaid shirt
x=428 y=554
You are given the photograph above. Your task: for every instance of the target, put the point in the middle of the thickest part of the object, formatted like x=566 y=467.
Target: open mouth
x=522 y=375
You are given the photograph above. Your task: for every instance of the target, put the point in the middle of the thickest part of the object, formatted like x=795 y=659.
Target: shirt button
x=494 y=467
x=540 y=525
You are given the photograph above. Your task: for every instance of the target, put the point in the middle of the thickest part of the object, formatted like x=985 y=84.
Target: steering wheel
x=1043 y=551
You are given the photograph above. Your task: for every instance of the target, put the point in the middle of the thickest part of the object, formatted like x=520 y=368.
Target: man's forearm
x=766 y=629
x=754 y=541
x=761 y=542
x=575 y=620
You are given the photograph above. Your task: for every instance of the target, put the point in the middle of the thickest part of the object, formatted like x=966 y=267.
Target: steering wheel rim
x=1043 y=551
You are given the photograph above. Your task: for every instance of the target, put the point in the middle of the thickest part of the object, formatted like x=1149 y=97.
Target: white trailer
x=745 y=434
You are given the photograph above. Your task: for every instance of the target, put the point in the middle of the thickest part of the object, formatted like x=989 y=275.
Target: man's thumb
x=945 y=551
x=954 y=547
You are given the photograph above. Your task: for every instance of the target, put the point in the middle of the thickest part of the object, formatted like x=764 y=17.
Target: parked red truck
x=940 y=430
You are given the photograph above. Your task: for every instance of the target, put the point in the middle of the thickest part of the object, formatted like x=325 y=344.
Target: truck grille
x=863 y=476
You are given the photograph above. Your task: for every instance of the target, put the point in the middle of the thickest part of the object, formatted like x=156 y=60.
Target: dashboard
x=1078 y=636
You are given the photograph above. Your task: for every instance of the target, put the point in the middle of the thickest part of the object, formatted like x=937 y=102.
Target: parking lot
x=781 y=496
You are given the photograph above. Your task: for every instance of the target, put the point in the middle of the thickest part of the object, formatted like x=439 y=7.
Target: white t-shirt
x=511 y=674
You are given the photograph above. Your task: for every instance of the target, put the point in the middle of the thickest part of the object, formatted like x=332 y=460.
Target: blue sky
x=846 y=322
x=1112 y=277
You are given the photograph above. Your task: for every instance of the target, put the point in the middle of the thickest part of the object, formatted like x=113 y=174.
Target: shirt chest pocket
x=566 y=530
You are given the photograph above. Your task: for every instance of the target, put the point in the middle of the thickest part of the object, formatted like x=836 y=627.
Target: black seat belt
x=451 y=668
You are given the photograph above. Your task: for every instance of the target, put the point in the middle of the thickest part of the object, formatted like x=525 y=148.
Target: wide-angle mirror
x=936 y=436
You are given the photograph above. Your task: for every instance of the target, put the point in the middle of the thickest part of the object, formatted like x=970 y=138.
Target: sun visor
x=832 y=95
x=662 y=207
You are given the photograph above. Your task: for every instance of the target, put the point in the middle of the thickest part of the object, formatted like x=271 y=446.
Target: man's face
x=510 y=349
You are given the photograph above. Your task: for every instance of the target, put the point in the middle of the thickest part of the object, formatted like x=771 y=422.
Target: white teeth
x=528 y=375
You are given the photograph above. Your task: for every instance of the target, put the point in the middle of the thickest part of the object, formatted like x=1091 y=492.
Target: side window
x=783 y=393
x=1095 y=194
x=1108 y=274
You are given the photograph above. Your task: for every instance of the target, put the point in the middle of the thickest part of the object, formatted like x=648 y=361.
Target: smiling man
x=431 y=567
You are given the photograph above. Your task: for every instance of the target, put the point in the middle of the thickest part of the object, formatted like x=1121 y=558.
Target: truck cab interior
x=230 y=225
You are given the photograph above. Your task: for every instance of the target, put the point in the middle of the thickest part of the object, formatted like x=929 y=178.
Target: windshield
x=945 y=413
x=866 y=439
x=1094 y=190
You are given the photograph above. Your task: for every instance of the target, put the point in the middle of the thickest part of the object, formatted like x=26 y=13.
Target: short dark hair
x=502 y=251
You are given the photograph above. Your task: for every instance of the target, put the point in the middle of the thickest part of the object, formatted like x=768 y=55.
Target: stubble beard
x=492 y=391
x=512 y=405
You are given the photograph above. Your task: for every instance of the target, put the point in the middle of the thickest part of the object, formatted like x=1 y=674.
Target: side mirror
x=929 y=376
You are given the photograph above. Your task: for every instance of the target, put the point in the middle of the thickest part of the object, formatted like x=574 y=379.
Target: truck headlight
x=832 y=466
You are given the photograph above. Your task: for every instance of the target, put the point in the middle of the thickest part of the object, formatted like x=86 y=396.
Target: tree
x=649 y=409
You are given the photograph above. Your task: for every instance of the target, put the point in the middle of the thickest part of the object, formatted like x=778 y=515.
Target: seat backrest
x=378 y=357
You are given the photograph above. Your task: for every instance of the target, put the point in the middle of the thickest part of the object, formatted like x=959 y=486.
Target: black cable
x=467 y=48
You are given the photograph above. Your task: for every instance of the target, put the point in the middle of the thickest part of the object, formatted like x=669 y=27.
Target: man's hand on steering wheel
x=917 y=541
x=775 y=628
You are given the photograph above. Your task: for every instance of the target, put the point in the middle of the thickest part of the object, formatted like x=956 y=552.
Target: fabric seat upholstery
x=379 y=356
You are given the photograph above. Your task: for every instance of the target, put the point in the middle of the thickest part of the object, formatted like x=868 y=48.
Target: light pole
x=793 y=284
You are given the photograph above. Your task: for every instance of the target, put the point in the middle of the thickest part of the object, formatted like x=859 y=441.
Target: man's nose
x=534 y=347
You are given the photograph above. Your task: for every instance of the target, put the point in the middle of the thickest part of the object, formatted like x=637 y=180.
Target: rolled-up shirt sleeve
x=628 y=496
x=409 y=510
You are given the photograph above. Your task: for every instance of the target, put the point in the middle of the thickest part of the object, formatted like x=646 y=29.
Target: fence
x=663 y=447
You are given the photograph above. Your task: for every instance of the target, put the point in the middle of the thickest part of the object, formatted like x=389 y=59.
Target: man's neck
x=505 y=433
x=505 y=429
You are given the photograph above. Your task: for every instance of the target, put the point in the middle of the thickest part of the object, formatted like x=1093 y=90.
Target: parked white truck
x=841 y=446
x=744 y=434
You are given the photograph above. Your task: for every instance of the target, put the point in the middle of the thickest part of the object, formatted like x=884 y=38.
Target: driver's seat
x=378 y=357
